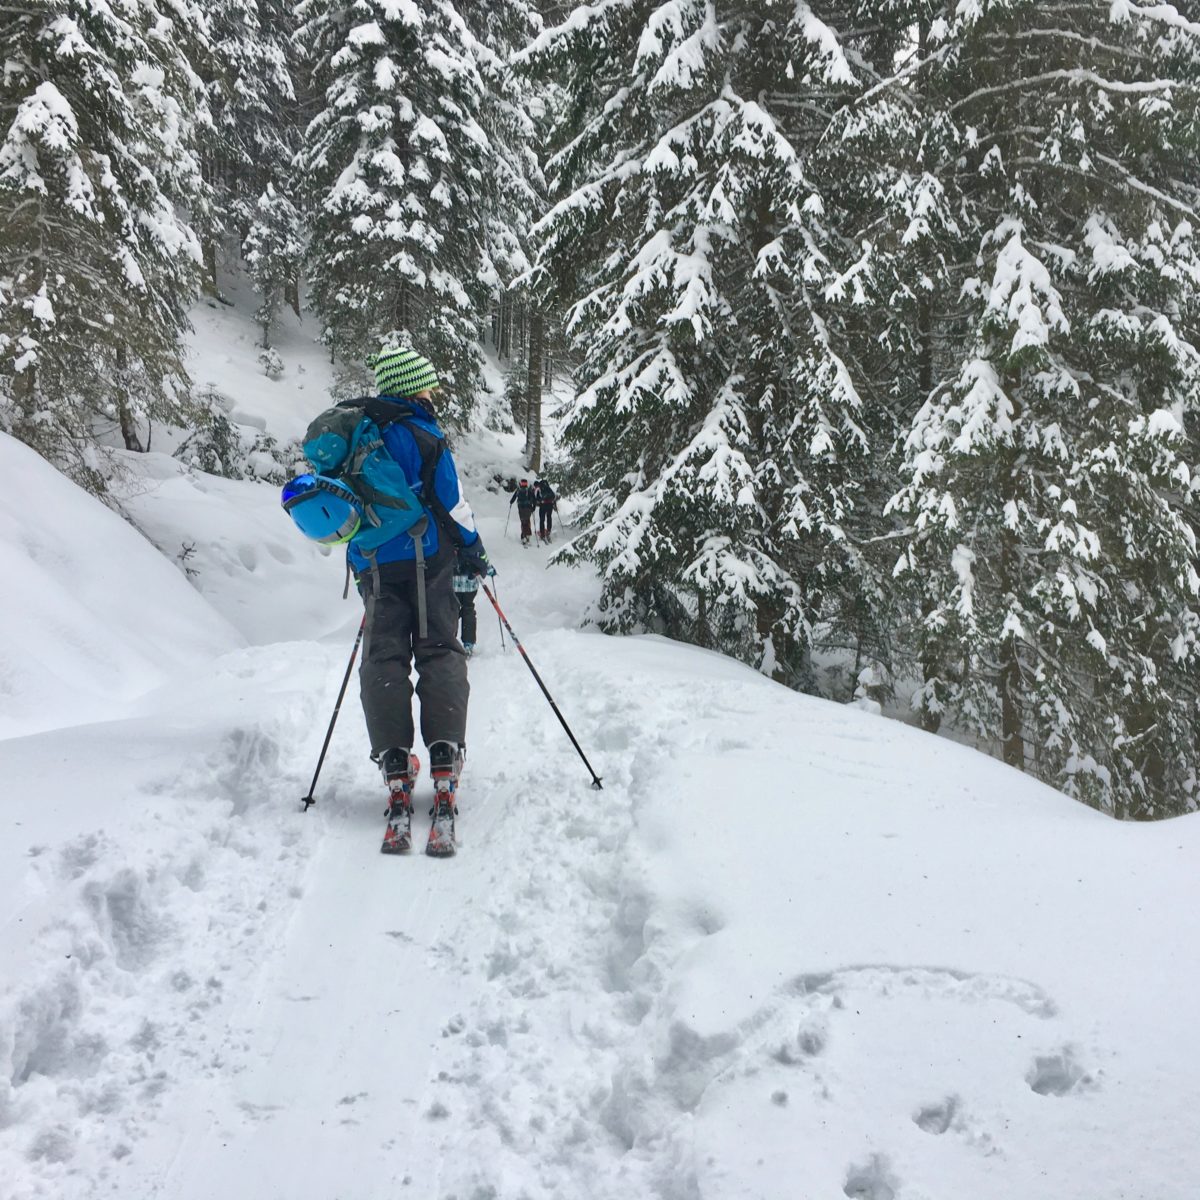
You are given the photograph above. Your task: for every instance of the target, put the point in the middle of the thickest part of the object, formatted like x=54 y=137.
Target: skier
x=547 y=504
x=398 y=505
x=466 y=585
x=525 y=501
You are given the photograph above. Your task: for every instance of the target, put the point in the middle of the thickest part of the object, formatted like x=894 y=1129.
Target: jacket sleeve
x=450 y=493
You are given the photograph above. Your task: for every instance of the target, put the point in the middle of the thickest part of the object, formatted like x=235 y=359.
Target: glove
x=474 y=558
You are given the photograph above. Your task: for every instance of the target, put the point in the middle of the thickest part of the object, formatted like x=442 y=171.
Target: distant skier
x=375 y=459
x=526 y=502
x=466 y=585
x=547 y=505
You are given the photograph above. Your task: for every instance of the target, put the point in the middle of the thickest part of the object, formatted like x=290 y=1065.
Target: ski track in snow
x=575 y=1072
x=145 y=935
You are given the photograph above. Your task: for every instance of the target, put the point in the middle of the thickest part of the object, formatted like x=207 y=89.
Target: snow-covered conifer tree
x=514 y=117
x=252 y=137
x=97 y=113
x=1049 y=482
x=395 y=171
x=273 y=252
x=718 y=436
x=896 y=195
x=507 y=115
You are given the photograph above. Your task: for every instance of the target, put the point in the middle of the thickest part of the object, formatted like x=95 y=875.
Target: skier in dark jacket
x=547 y=503
x=526 y=502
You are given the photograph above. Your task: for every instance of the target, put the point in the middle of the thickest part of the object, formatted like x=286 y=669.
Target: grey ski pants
x=391 y=645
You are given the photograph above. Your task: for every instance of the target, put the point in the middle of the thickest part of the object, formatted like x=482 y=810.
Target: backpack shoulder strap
x=385 y=412
x=431 y=449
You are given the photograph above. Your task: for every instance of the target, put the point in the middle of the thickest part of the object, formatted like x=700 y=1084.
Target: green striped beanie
x=403 y=373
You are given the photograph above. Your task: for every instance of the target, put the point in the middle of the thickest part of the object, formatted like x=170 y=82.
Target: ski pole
x=533 y=670
x=507 y=519
x=309 y=800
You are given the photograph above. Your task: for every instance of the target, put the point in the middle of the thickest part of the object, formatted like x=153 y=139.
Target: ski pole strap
x=545 y=691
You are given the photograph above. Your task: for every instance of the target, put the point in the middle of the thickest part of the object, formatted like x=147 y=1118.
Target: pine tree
x=515 y=187
x=718 y=436
x=396 y=171
x=1049 y=479
x=273 y=251
x=513 y=117
x=96 y=266
x=250 y=142
x=895 y=198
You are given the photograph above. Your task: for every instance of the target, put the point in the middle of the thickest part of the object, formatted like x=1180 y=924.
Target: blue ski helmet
x=324 y=509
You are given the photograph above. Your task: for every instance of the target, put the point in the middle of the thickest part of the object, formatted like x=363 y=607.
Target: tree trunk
x=291 y=296
x=533 y=393
x=209 y=250
x=128 y=425
x=505 y=347
x=1012 y=742
x=933 y=671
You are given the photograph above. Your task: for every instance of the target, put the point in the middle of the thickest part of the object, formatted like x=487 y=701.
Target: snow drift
x=93 y=615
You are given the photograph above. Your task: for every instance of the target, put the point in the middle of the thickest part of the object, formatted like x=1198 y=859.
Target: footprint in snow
x=871 y=1180
x=1059 y=1074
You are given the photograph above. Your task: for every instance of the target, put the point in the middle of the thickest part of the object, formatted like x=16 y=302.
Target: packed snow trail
x=790 y=949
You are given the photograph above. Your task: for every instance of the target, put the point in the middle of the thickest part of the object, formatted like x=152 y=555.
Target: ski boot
x=468 y=648
x=400 y=769
x=445 y=766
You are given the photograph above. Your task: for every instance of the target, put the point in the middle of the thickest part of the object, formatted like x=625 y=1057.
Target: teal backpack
x=346 y=443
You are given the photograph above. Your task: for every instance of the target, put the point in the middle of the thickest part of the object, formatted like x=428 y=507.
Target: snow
x=790 y=949
x=93 y=616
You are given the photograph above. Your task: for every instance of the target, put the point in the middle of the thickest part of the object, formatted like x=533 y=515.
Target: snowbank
x=241 y=550
x=93 y=616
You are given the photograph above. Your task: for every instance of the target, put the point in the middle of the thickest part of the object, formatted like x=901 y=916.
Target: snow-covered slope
x=91 y=616
x=790 y=950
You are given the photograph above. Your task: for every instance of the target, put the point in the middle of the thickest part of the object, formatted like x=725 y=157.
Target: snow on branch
x=581 y=20
x=1022 y=292
x=687 y=60
x=1075 y=75
x=814 y=31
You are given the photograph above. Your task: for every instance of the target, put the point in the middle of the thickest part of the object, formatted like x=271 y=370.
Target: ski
x=441 y=843
x=445 y=767
x=397 y=837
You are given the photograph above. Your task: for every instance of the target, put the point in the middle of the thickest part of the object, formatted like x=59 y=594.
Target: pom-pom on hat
x=402 y=373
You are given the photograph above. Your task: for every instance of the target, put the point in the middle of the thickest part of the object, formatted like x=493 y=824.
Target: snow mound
x=240 y=550
x=93 y=615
